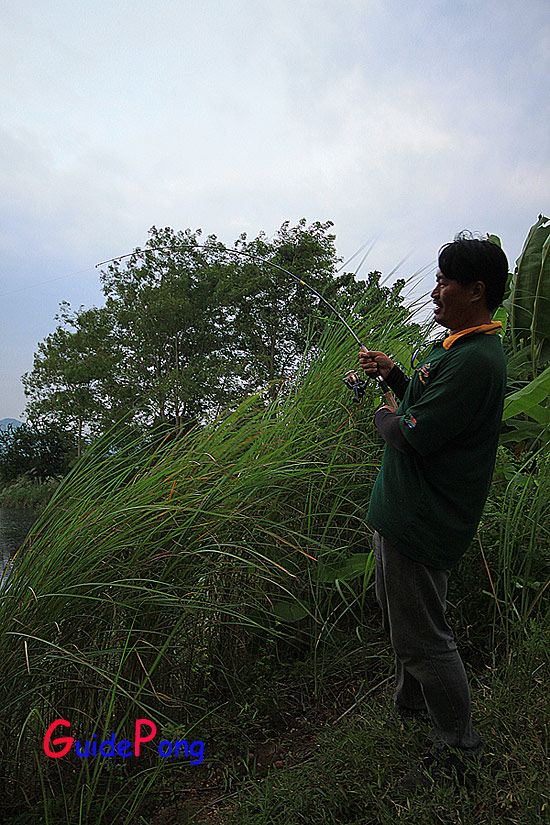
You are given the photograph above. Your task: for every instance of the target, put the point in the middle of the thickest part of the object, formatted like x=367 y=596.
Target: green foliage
x=528 y=337
x=276 y=319
x=515 y=545
x=75 y=371
x=160 y=571
x=189 y=329
x=502 y=316
x=500 y=602
x=349 y=774
x=37 y=453
x=24 y=492
x=356 y=565
x=528 y=397
x=528 y=304
x=171 y=327
x=166 y=569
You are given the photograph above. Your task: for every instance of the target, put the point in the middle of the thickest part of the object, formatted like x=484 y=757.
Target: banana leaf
x=540 y=325
x=528 y=304
x=290 y=611
x=529 y=396
x=519 y=362
x=351 y=568
x=525 y=429
x=502 y=316
x=540 y=414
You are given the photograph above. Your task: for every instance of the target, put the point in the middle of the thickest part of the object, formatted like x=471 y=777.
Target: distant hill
x=6 y=422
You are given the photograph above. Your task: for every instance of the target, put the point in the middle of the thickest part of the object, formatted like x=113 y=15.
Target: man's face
x=454 y=304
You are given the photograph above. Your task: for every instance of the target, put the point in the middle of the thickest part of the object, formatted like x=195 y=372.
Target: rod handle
x=388 y=395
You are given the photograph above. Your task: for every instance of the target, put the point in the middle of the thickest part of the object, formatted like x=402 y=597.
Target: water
x=15 y=523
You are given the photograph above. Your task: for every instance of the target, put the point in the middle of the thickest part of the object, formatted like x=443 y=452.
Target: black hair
x=468 y=259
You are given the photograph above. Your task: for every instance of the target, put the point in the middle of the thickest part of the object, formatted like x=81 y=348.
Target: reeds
x=163 y=567
x=521 y=577
x=160 y=568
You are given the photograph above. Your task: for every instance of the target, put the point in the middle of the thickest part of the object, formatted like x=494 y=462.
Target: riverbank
x=220 y=586
x=27 y=494
x=339 y=760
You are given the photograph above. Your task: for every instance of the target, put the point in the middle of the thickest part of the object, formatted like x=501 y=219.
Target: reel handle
x=355 y=383
x=359 y=385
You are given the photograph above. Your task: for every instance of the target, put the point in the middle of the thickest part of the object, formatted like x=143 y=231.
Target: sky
x=401 y=122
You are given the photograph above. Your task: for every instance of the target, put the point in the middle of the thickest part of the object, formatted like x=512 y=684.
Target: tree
x=170 y=326
x=41 y=454
x=275 y=318
x=190 y=326
x=72 y=382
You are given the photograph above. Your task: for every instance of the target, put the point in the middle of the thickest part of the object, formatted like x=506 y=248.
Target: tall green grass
x=515 y=547
x=161 y=567
x=164 y=568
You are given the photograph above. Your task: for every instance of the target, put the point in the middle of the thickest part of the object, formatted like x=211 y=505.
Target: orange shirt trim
x=486 y=329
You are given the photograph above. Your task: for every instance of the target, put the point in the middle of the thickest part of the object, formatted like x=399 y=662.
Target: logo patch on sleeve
x=410 y=421
x=424 y=372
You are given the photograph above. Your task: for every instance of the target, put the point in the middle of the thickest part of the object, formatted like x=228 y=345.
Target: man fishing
x=427 y=501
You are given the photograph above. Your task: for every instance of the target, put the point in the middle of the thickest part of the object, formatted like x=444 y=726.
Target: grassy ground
x=219 y=584
x=352 y=774
x=337 y=760
x=282 y=756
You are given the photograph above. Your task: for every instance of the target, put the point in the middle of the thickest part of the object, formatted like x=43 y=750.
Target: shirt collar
x=486 y=329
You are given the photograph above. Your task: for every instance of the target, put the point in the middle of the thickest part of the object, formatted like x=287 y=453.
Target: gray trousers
x=429 y=671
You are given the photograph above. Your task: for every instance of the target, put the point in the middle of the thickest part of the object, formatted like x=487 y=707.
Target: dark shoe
x=439 y=768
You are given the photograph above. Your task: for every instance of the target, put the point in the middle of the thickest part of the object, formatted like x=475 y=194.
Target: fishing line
x=356 y=384
x=49 y=281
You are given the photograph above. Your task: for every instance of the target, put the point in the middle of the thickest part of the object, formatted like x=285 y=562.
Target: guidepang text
x=145 y=731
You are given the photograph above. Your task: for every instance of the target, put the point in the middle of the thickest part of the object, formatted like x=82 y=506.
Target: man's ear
x=478 y=290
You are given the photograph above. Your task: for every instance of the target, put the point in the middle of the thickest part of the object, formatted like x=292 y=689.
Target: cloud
x=404 y=121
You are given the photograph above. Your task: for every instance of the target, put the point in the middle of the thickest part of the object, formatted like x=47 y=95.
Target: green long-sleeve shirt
x=428 y=503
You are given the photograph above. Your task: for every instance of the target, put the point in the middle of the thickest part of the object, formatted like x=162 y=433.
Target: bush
x=27 y=493
x=38 y=454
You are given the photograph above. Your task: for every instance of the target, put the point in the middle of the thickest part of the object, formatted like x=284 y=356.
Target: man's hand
x=375 y=363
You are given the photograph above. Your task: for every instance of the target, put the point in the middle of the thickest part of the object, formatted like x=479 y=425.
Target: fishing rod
x=351 y=379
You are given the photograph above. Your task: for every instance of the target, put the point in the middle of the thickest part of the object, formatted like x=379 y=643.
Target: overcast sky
x=400 y=121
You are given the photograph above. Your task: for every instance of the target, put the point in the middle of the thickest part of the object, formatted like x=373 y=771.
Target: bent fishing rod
x=351 y=379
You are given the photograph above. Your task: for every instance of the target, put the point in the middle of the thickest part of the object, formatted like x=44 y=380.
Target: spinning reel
x=355 y=383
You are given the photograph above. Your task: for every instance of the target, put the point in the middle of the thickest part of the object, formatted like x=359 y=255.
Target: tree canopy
x=189 y=326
